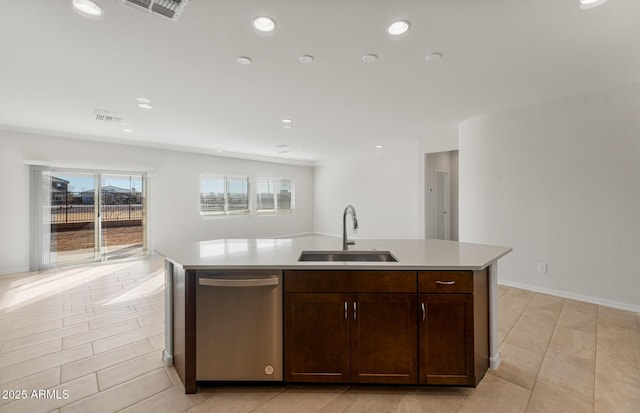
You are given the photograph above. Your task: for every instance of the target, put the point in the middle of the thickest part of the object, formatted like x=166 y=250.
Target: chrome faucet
x=345 y=241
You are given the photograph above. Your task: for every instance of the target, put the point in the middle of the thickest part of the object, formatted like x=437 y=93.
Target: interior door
x=443 y=222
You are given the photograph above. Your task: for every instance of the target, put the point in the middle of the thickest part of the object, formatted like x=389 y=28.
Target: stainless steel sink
x=368 y=256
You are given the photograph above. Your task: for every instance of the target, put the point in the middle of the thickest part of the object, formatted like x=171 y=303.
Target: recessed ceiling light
x=307 y=58
x=287 y=127
x=590 y=4
x=398 y=27
x=143 y=100
x=368 y=58
x=127 y=130
x=88 y=8
x=244 y=60
x=378 y=146
x=287 y=121
x=264 y=24
x=145 y=106
x=434 y=56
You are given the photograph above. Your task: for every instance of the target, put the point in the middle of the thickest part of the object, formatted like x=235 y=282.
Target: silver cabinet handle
x=238 y=282
x=354 y=310
x=346 y=316
x=424 y=312
x=445 y=282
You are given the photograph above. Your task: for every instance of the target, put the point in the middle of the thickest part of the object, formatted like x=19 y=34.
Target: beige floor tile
x=129 y=337
x=547 y=398
x=573 y=343
x=531 y=336
x=431 y=400
x=93 y=335
x=27 y=353
x=509 y=311
x=579 y=316
x=301 y=399
x=496 y=395
x=619 y=318
x=236 y=400
x=615 y=396
x=122 y=396
x=18 y=343
x=108 y=320
x=129 y=369
x=18 y=331
x=104 y=360
x=44 y=380
x=616 y=339
x=84 y=316
x=617 y=366
x=173 y=375
x=518 y=365
x=171 y=400
x=366 y=399
x=49 y=316
x=33 y=366
x=502 y=290
x=569 y=372
x=157 y=341
x=151 y=318
x=60 y=395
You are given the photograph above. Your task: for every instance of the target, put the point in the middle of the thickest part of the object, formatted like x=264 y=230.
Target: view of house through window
x=274 y=194
x=221 y=194
x=96 y=216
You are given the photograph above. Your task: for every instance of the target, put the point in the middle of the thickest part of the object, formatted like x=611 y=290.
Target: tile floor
x=93 y=337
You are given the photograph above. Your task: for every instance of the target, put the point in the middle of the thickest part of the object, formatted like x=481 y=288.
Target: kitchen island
x=435 y=286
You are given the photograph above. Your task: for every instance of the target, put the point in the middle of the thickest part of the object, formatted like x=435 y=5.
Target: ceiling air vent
x=109 y=116
x=170 y=9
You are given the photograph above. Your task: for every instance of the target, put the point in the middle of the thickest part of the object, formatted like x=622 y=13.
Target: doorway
x=96 y=216
x=441 y=195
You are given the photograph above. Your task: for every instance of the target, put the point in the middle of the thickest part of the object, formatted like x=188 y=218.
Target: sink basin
x=367 y=256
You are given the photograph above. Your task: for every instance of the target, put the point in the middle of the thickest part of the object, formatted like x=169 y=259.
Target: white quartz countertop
x=284 y=253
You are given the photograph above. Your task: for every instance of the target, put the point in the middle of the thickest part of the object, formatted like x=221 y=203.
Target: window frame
x=225 y=181
x=275 y=210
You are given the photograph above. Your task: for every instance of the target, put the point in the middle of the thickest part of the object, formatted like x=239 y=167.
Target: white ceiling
x=57 y=66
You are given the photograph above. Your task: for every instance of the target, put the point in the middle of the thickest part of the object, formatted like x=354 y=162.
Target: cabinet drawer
x=445 y=281
x=303 y=281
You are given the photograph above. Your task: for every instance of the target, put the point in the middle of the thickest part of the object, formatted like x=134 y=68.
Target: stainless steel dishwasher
x=239 y=326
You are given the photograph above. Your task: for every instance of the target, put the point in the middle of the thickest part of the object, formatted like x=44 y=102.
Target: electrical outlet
x=542 y=267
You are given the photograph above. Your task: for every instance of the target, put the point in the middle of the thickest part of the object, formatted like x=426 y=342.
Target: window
x=274 y=195
x=221 y=194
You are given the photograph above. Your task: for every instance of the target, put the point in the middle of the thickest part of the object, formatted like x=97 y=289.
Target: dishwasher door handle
x=235 y=282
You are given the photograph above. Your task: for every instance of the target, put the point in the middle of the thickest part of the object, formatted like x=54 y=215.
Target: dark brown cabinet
x=340 y=327
x=393 y=327
x=453 y=327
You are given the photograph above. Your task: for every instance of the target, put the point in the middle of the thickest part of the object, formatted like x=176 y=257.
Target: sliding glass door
x=92 y=216
x=121 y=215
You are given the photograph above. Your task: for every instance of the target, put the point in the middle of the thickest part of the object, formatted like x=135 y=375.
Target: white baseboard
x=578 y=297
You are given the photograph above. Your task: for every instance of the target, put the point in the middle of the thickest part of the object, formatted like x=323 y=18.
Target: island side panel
x=184 y=328
x=494 y=354
x=481 y=323
x=167 y=353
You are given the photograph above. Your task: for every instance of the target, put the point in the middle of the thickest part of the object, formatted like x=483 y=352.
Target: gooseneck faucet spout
x=345 y=241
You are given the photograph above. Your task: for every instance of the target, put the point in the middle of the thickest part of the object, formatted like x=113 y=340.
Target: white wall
x=560 y=183
x=174 y=192
x=382 y=185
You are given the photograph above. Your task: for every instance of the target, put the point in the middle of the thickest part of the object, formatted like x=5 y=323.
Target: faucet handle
x=351 y=242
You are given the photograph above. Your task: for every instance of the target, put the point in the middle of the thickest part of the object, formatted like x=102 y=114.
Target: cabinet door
x=446 y=339
x=316 y=342
x=383 y=338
